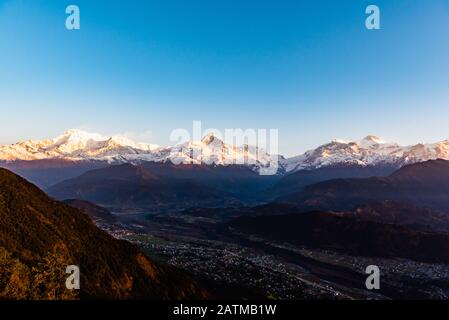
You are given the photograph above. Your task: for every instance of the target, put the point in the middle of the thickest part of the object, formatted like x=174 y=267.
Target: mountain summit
x=370 y=141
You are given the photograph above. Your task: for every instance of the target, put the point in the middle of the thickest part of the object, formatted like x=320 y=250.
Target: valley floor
x=233 y=265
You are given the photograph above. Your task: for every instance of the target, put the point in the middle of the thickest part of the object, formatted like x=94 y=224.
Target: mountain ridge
x=77 y=145
x=424 y=184
x=128 y=185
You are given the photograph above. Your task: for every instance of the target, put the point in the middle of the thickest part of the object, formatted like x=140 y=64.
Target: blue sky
x=308 y=68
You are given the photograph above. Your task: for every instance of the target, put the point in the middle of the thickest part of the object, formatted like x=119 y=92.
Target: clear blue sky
x=307 y=68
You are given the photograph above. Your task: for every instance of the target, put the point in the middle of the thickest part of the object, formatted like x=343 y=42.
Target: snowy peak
x=73 y=144
x=73 y=140
x=369 y=151
x=213 y=151
x=370 y=141
x=210 y=138
x=374 y=139
x=78 y=136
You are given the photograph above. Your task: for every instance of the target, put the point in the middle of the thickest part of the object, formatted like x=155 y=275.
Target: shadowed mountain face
x=136 y=187
x=414 y=217
x=241 y=181
x=348 y=234
x=296 y=181
x=39 y=237
x=423 y=184
x=94 y=211
x=45 y=173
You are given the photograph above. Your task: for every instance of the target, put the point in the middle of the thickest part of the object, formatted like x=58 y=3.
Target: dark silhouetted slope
x=134 y=186
x=45 y=173
x=423 y=184
x=348 y=234
x=393 y=212
x=296 y=181
x=39 y=237
x=94 y=211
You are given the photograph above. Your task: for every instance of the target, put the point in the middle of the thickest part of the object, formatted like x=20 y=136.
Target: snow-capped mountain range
x=370 y=151
x=77 y=145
